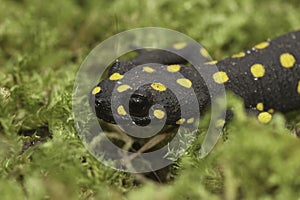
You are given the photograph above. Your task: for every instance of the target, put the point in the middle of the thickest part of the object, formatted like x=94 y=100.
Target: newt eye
x=139 y=105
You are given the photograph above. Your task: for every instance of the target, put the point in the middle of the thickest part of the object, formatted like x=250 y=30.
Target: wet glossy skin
x=267 y=77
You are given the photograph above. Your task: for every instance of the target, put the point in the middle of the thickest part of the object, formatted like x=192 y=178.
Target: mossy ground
x=42 y=45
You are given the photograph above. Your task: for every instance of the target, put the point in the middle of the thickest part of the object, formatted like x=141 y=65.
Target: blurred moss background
x=42 y=45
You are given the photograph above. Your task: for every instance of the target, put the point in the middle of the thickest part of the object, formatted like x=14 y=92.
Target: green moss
x=41 y=48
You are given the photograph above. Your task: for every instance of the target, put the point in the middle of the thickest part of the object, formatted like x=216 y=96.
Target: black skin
x=277 y=89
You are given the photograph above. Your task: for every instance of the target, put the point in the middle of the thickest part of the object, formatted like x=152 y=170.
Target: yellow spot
x=238 y=55
x=179 y=45
x=213 y=62
x=190 y=120
x=257 y=70
x=159 y=114
x=271 y=110
x=115 y=76
x=180 y=121
x=220 y=123
x=158 y=86
x=262 y=45
x=123 y=88
x=184 y=82
x=96 y=90
x=220 y=77
x=121 y=110
x=298 y=87
x=148 y=69
x=260 y=106
x=287 y=60
x=204 y=53
x=264 y=117
x=173 y=68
